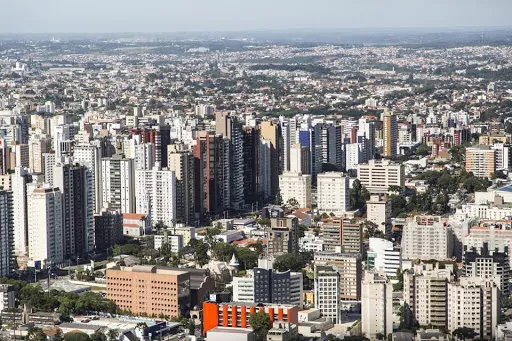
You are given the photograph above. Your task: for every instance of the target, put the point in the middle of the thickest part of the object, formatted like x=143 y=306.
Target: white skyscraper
x=327 y=292
x=63 y=137
x=45 y=224
x=155 y=192
x=144 y=156
x=90 y=156
x=376 y=306
x=37 y=145
x=118 y=177
x=48 y=165
x=333 y=193
x=296 y=186
x=19 y=189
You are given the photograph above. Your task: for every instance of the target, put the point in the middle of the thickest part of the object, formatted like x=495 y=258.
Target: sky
x=105 y=16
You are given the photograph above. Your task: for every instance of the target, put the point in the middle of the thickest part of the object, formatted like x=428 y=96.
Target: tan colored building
x=342 y=233
x=378 y=176
x=491 y=139
x=378 y=211
x=270 y=131
x=389 y=134
x=149 y=290
x=480 y=160
x=283 y=236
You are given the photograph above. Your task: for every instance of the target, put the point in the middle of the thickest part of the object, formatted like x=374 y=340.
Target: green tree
x=113 y=334
x=293 y=203
x=98 y=336
x=191 y=327
x=248 y=258
x=464 y=333
x=222 y=251
x=76 y=336
x=358 y=196
x=458 y=153
x=58 y=335
x=290 y=261
x=261 y=324
x=36 y=334
x=398 y=204
x=423 y=150
x=278 y=200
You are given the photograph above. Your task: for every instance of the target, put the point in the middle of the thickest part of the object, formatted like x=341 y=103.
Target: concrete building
x=474 y=303
x=89 y=155
x=108 y=229
x=383 y=256
x=485 y=263
x=378 y=176
x=237 y=315
x=136 y=225
x=76 y=186
x=283 y=236
x=181 y=161
x=349 y=267
x=49 y=160
x=45 y=224
x=263 y=284
x=480 y=160
x=37 y=145
x=389 y=134
x=427 y=241
x=299 y=159
x=118 y=176
x=327 y=293
x=269 y=131
x=376 y=306
x=188 y=232
x=149 y=289
x=231 y=334
x=174 y=242
x=7 y=299
x=378 y=211
x=144 y=156
x=342 y=234
x=20 y=178
x=426 y=294
x=296 y=186
x=155 y=192
x=333 y=193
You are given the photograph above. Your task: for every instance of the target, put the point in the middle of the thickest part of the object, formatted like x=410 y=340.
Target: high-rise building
x=6 y=233
x=295 y=186
x=263 y=284
x=231 y=129
x=485 y=263
x=376 y=306
x=108 y=229
x=89 y=155
x=251 y=136
x=118 y=176
x=264 y=175
x=21 y=155
x=20 y=178
x=144 y=156
x=378 y=176
x=474 y=303
x=327 y=293
x=383 y=256
x=349 y=268
x=420 y=241
x=283 y=236
x=209 y=173
x=333 y=193
x=367 y=132
x=378 y=211
x=181 y=160
x=480 y=160
x=299 y=159
x=426 y=294
x=341 y=234
x=331 y=151
x=270 y=131
x=389 y=134
x=75 y=182
x=45 y=223
x=37 y=145
x=155 y=192
x=149 y=289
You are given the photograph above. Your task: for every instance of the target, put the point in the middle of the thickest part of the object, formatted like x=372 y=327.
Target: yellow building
x=480 y=160
x=389 y=134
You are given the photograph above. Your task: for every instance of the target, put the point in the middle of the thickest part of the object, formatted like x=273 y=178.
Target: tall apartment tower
x=333 y=193
x=480 y=160
x=209 y=173
x=6 y=233
x=108 y=229
x=37 y=145
x=49 y=161
x=144 y=156
x=367 y=131
x=270 y=131
x=296 y=186
x=89 y=155
x=45 y=223
x=20 y=178
x=118 y=176
x=155 y=193
x=389 y=134
x=180 y=159
x=75 y=182
x=251 y=137
x=327 y=292
x=376 y=306
x=231 y=129
x=283 y=236
x=299 y=159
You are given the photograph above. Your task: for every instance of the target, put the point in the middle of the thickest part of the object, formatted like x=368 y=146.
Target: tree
x=98 y=336
x=498 y=175
x=248 y=258
x=358 y=196
x=113 y=334
x=260 y=323
x=191 y=327
x=293 y=203
x=278 y=200
x=36 y=334
x=423 y=150
x=222 y=251
x=464 y=333
x=289 y=261
x=58 y=335
x=76 y=336
x=458 y=153
x=372 y=229
x=380 y=336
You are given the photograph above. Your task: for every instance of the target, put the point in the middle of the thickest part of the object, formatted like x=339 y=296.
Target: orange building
x=148 y=289
x=236 y=315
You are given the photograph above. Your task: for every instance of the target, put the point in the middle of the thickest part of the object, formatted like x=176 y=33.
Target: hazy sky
x=41 y=16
